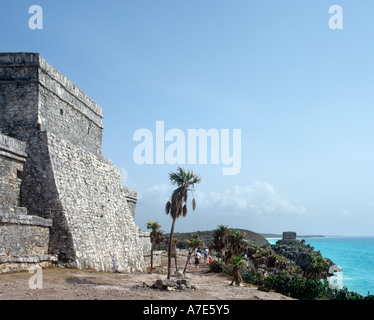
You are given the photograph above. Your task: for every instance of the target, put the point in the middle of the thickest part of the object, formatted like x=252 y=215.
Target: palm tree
x=237 y=261
x=177 y=206
x=237 y=244
x=156 y=237
x=220 y=239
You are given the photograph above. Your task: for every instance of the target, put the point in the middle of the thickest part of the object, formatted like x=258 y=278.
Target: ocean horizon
x=355 y=255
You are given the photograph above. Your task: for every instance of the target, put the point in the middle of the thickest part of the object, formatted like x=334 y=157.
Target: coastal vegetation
x=291 y=268
x=303 y=278
x=207 y=237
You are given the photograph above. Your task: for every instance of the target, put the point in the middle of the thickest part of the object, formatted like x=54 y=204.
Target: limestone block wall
x=289 y=235
x=23 y=235
x=24 y=240
x=29 y=87
x=12 y=159
x=18 y=94
x=65 y=110
x=40 y=196
x=93 y=200
x=65 y=177
x=132 y=199
x=145 y=239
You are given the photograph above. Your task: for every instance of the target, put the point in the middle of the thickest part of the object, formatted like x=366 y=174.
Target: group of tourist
x=207 y=257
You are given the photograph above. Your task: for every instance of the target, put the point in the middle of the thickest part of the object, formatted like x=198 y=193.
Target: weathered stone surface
x=17 y=266
x=181 y=284
x=22 y=236
x=24 y=239
x=13 y=216
x=64 y=177
x=288 y=238
x=297 y=252
x=179 y=274
x=289 y=235
x=12 y=158
x=28 y=259
x=95 y=208
x=144 y=238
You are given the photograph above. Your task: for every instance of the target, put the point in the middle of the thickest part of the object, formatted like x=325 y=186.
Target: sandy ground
x=73 y=284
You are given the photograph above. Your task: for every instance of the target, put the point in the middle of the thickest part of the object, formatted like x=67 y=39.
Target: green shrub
x=317 y=267
x=287 y=278
x=294 y=286
x=250 y=276
x=216 y=267
x=345 y=294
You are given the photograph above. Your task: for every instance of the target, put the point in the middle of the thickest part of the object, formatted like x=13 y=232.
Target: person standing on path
x=206 y=255
x=197 y=260
x=190 y=259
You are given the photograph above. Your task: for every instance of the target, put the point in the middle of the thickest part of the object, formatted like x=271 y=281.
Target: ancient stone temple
x=54 y=180
x=288 y=237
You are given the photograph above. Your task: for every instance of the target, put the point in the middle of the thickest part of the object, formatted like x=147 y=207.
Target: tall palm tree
x=220 y=238
x=177 y=206
x=156 y=236
x=175 y=241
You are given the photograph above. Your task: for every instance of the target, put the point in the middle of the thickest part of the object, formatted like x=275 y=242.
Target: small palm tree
x=220 y=239
x=156 y=237
x=237 y=262
x=193 y=243
x=177 y=206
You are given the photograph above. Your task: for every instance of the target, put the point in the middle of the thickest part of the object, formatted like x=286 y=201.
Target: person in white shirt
x=206 y=255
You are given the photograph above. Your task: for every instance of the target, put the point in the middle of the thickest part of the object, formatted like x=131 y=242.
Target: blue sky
x=301 y=94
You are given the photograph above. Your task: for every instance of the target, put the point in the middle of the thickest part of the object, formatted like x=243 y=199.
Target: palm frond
x=184 y=210
x=183 y=178
x=167 y=207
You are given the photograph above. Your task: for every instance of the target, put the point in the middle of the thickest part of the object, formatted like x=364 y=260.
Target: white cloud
x=162 y=191
x=259 y=199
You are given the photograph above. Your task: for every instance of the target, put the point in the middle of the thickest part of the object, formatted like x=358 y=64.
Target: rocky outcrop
x=297 y=251
x=294 y=253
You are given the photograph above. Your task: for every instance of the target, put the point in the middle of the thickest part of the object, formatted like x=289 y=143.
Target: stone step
x=28 y=259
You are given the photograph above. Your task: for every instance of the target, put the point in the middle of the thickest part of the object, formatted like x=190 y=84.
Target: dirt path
x=72 y=284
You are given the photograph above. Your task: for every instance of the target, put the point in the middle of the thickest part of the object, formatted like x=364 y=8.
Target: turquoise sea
x=355 y=255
